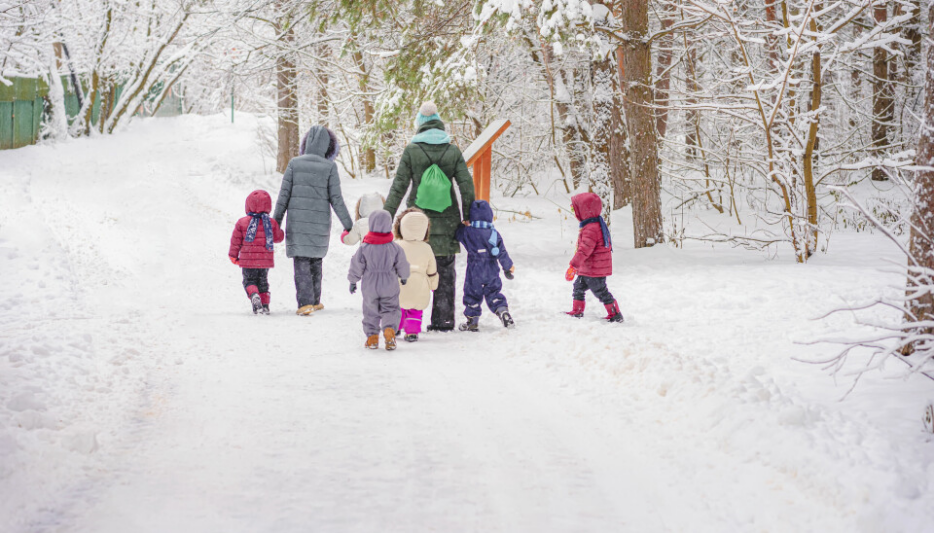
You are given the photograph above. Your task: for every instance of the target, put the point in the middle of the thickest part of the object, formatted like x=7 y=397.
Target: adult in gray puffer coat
x=311 y=187
x=379 y=264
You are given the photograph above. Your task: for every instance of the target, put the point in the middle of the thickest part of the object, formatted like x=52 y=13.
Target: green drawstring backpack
x=434 y=191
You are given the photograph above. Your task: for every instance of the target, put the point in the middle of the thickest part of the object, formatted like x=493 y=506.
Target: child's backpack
x=434 y=191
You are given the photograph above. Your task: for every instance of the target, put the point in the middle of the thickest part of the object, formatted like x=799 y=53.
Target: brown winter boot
x=372 y=342
x=390 y=336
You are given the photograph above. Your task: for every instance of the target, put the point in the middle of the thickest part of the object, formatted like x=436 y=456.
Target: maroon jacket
x=593 y=258
x=254 y=254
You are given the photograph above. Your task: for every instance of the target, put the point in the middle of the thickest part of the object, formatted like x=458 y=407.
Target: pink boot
x=612 y=312
x=578 y=310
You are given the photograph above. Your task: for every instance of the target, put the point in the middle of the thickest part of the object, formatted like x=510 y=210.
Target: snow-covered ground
x=138 y=393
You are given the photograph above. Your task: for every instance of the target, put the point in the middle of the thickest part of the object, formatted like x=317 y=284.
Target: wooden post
x=479 y=155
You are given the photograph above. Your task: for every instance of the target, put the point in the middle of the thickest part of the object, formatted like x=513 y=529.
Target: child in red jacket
x=251 y=248
x=593 y=261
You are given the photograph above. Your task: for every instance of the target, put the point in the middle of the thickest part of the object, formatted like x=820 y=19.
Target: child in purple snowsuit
x=378 y=265
x=485 y=253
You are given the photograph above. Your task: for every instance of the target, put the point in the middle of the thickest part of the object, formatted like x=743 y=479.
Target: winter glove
x=235 y=261
x=569 y=275
x=403 y=281
x=510 y=273
x=353 y=288
x=344 y=234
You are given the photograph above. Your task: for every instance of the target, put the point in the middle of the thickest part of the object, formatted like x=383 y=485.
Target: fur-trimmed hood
x=322 y=142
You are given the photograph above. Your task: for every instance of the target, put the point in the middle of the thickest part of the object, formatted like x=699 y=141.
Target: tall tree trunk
x=663 y=72
x=882 y=101
x=771 y=41
x=322 y=96
x=95 y=74
x=617 y=148
x=637 y=80
x=610 y=153
x=288 y=102
x=369 y=113
x=570 y=126
x=810 y=242
x=921 y=262
x=620 y=157
x=911 y=32
x=692 y=137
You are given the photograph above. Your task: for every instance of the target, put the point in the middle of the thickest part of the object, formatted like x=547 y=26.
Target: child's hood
x=258 y=202
x=380 y=221
x=586 y=205
x=369 y=203
x=480 y=211
x=414 y=226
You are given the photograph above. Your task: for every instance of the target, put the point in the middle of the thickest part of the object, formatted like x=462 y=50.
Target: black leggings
x=595 y=285
x=308 y=274
x=258 y=277
x=442 y=309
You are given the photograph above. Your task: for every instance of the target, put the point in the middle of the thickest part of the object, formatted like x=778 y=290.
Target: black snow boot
x=503 y=314
x=257 y=302
x=265 y=309
x=472 y=324
x=412 y=337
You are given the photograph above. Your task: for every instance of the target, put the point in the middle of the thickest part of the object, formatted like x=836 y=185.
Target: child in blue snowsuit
x=485 y=253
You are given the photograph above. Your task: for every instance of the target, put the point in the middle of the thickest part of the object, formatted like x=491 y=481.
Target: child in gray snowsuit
x=377 y=265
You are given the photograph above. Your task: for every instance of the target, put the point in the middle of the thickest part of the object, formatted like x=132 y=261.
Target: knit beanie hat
x=428 y=111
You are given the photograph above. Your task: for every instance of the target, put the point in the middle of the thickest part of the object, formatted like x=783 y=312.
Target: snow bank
x=128 y=401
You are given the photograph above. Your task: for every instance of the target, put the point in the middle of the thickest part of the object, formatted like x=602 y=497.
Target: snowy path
x=137 y=393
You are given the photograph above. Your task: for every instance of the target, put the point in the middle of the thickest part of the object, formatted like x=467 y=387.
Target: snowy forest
x=766 y=170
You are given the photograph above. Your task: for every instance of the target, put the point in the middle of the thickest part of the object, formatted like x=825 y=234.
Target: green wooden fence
x=21 y=109
x=23 y=106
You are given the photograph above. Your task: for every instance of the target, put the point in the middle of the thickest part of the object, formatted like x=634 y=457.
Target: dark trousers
x=595 y=285
x=442 y=308
x=308 y=275
x=475 y=292
x=256 y=277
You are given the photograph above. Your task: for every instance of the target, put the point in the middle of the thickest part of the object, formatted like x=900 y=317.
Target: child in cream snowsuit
x=361 y=226
x=412 y=230
x=378 y=264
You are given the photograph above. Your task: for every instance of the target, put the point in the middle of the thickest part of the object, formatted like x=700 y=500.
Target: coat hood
x=414 y=226
x=258 y=202
x=380 y=221
x=480 y=210
x=368 y=203
x=433 y=124
x=322 y=142
x=586 y=205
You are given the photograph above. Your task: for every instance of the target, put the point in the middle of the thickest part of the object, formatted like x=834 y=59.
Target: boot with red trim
x=612 y=313
x=577 y=311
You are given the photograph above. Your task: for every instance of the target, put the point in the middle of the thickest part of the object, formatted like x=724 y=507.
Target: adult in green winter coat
x=432 y=145
x=311 y=188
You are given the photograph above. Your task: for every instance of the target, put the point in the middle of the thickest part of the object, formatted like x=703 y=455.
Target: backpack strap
x=429 y=157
